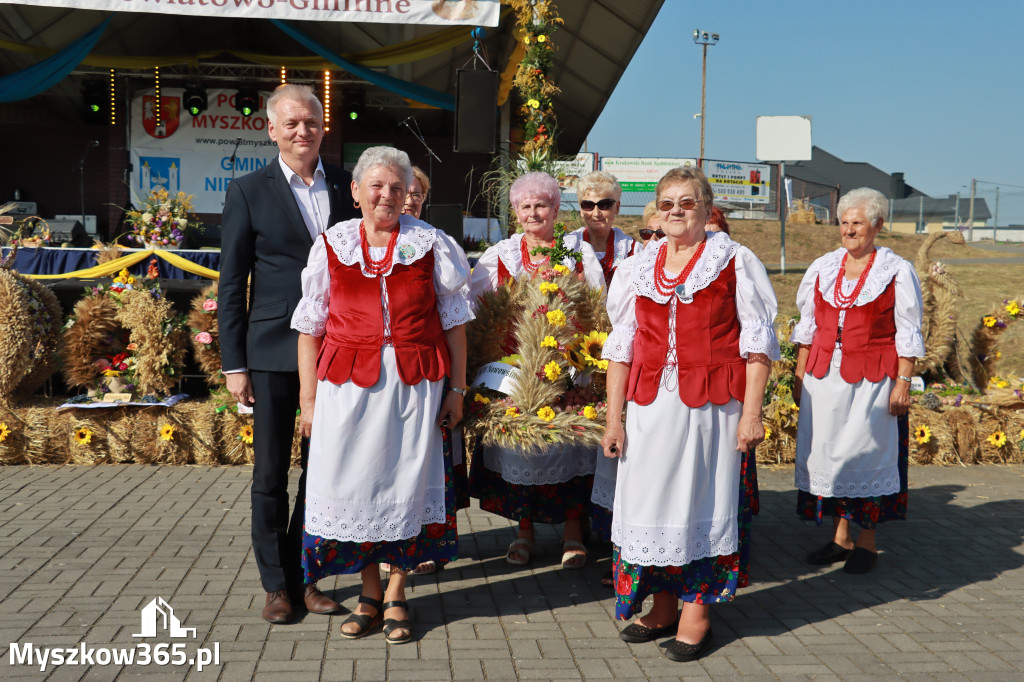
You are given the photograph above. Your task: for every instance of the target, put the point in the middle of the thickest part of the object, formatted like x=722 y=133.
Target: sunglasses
x=685 y=204
x=646 y=233
x=604 y=204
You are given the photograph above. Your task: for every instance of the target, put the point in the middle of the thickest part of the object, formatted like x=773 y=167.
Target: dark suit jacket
x=264 y=234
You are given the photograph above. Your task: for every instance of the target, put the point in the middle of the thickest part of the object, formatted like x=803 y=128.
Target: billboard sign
x=641 y=174
x=737 y=181
x=569 y=172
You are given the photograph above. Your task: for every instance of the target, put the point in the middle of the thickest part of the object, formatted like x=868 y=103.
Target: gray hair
x=295 y=93
x=386 y=157
x=874 y=203
x=599 y=182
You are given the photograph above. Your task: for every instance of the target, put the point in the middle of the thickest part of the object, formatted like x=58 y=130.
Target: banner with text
x=735 y=181
x=568 y=173
x=436 y=12
x=193 y=154
x=640 y=174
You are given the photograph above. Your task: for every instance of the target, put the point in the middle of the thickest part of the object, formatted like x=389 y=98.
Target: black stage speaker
x=447 y=218
x=476 y=110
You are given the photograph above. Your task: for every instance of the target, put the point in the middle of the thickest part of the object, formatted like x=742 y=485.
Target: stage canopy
x=408 y=65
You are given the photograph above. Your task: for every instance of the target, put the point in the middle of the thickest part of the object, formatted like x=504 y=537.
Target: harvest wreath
x=124 y=338
x=546 y=331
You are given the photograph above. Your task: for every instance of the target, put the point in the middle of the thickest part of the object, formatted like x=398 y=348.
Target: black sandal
x=390 y=624
x=365 y=623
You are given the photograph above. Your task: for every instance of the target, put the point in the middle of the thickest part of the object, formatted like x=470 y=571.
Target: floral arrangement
x=124 y=338
x=537 y=22
x=30 y=323
x=556 y=327
x=163 y=221
x=984 y=341
x=202 y=320
x=25 y=234
x=780 y=411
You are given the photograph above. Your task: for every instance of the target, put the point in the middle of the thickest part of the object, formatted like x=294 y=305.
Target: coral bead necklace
x=667 y=285
x=844 y=302
x=377 y=267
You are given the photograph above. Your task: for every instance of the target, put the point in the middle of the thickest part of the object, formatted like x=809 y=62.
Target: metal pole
x=956 y=212
x=890 y=214
x=920 y=216
x=995 y=223
x=782 y=216
x=703 y=95
x=970 y=213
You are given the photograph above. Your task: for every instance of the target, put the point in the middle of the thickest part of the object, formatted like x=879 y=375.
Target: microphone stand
x=81 y=176
x=419 y=136
x=234 y=156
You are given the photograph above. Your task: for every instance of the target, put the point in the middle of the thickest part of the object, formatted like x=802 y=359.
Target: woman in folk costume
x=385 y=301
x=552 y=486
x=599 y=194
x=859 y=332
x=690 y=350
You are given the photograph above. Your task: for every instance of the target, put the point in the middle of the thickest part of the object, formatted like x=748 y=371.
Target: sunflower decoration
x=922 y=434
x=167 y=431
x=4 y=432
x=997 y=439
x=553 y=395
x=245 y=434
x=82 y=435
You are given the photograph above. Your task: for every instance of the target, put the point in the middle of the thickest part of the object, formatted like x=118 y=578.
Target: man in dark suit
x=271 y=217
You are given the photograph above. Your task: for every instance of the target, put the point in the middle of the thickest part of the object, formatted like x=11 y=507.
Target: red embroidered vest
x=355 y=327
x=868 y=343
x=707 y=346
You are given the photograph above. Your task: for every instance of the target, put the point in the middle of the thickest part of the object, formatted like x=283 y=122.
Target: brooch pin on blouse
x=407 y=251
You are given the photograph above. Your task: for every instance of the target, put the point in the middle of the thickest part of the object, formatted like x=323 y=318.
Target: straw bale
x=232 y=449
x=30 y=319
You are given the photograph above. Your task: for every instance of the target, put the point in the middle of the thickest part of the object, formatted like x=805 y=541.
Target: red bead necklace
x=609 y=253
x=843 y=302
x=664 y=284
x=530 y=267
x=377 y=267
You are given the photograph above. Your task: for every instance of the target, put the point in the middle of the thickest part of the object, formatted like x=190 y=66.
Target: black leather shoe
x=635 y=633
x=829 y=554
x=278 y=609
x=861 y=561
x=681 y=651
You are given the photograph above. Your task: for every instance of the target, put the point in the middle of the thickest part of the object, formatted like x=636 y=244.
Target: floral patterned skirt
x=866 y=512
x=550 y=503
x=706 y=581
x=322 y=557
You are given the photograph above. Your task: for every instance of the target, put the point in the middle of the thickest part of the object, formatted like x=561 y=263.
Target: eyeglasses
x=604 y=204
x=646 y=233
x=665 y=205
x=417 y=197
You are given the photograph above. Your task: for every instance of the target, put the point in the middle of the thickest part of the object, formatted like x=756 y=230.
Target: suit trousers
x=276 y=540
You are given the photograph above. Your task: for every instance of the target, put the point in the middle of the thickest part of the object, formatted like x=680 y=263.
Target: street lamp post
x=703 y=38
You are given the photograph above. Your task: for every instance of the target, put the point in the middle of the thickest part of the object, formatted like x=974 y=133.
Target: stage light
x=113 y=98
x=247 y=100
x=284 y=75
x=355 y=104
x=156 y=107
x=194 y=98
x=94 y=101
x=327 y=101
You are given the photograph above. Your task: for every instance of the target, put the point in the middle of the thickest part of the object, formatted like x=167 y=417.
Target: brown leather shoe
x=318 y=602
x=278 y=608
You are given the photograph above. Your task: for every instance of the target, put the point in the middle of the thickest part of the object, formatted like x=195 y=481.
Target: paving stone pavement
x=84 y=549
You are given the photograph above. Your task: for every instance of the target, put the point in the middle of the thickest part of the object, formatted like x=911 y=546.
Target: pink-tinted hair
x=535 y=184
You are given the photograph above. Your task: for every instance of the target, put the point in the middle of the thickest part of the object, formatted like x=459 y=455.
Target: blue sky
x=934 y=89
